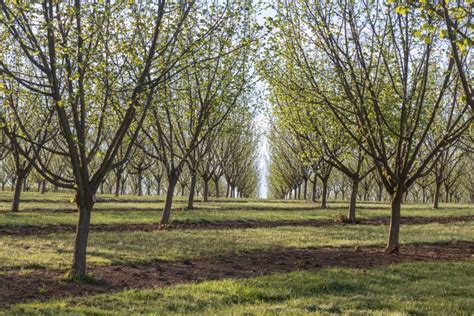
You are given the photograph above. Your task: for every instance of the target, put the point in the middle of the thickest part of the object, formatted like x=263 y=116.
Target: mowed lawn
x=57 y=209
x=433 y=287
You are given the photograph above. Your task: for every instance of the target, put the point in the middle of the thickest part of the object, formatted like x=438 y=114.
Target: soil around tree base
x=17 y=287
x=30 y=230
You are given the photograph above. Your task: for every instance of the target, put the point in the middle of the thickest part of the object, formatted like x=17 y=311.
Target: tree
x=207 y=90
x=18 y=107
x=457 y=28
x=98 y=76
x=392 y=85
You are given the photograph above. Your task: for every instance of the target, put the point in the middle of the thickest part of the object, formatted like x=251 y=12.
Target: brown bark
x=305 y=193
x=352 y=204
x=324 y=194
x=192 y=190
x=172 y=180
x=16 y=196
x=436 y=194
x=314 y=192
x=393 y=245
x=139 y=183
x=158 y=185
x=85 y=204
x=43 y=187
x=216 y=185
x=206 y=190
x=118 y=179
x=447 y=198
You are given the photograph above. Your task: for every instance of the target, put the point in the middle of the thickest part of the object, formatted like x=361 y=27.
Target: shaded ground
x=17 y=286
x=159 y=208
x=29 y=230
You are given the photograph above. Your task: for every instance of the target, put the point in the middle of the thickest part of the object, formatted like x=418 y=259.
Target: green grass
x=54 y=209
x=410 y=288
x=437 y=288
x=55 y=251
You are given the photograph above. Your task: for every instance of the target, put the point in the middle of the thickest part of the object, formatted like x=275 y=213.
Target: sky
x=263 y=125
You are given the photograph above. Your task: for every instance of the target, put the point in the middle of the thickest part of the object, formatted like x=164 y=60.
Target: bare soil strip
x=16 y=287
x=159 y=208
x=30 y=230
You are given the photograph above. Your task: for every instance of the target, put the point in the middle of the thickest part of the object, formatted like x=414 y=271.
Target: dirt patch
x=16 y=287
x=30 y=230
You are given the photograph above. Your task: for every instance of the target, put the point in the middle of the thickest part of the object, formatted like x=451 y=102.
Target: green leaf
x=443 y=33
x=402 y=10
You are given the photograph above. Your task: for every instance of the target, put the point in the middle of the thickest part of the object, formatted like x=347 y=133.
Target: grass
x=435 y=288
x=54 y=251
x=141 y=216
x=409 y=288
x=54 y=209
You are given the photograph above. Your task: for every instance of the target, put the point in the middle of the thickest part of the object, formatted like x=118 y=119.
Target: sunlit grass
x=410 y=288
x=40 y=210
x=55 y=251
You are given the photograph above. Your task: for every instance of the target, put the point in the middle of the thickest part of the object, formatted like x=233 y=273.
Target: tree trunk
x=85 y=203
x=172 y=180
x=313 y=197
x=446 y=193
x=325 y=193
x=43 y=187
x=228 y=190
x=436 y=195
x=206 y=190
x=139 y=183
x=123 y=187
x=158 y=185
x=352 y=204
x=192 y=189
x=394 y=232
x=299 y=191
x=118 y=179
x=216 y=184
x=305 y=193
x=16 y=196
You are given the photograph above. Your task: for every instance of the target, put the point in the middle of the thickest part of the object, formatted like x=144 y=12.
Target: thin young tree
x=99 y=78
x=391 y=84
